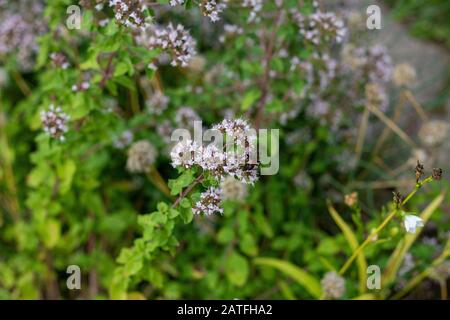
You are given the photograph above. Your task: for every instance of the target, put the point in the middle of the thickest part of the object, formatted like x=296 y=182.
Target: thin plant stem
x=21 y=83
x=386 y=131
x=391 y=124
x=155 y=177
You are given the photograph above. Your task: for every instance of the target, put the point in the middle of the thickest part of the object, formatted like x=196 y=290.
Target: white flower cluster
x=209 y=202
x=54 y=122
x=21 y=23
x=209 y=8
x=212 y=9
x=128 y=12
x=255 y=7
x=174 y=41
x=157 y=103
x=370 y=64
x=321 y=27
x=221 y=163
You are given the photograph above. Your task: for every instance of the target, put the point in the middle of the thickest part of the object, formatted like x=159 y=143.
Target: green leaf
x=307 y=281
x=237 y=269
x=248 y=245
x=225 y=235
x=263 y=225
x=250 y=98
x=177 y=185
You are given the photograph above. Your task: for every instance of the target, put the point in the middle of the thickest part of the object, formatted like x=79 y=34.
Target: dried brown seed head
x=398 y=198
x=420 y=171
x=437 y=173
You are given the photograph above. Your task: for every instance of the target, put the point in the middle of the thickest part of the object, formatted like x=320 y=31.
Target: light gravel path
x=431 y=61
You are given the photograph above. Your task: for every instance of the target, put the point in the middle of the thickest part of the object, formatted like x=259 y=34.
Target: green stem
x=367 y=241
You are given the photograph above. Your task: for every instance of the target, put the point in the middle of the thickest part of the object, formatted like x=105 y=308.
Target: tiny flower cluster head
x=230 y=30
x=59 y=60
x=369 y=64
x=164 y=130
x=333 y=285
x=186 y=154
x=54 y=122
x=255 y=7
x=232 y=189
x=123 y=140
x=404 y=75
x=197 y=64
x=379 y=64
x=157 y=103
x=174 y=41
x=303 y=181
x=128 y=12
x=376 y=96
x=433 y=132
x=141 y=156
x=212 y=8
x=185 y=117
x=209 y=202
x=21 y=24
x=321 y=28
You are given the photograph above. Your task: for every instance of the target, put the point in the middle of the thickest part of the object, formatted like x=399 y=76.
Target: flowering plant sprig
x=218 y=162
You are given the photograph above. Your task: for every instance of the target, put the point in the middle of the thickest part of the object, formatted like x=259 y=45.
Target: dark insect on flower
x=419 y=170
x=437 y=173
x=398 y=198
